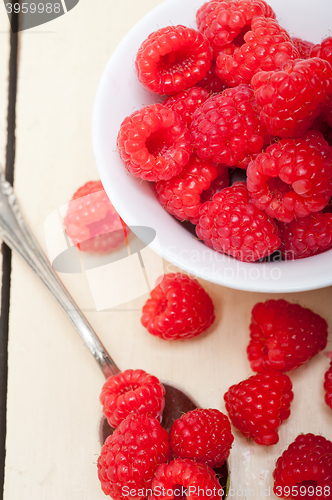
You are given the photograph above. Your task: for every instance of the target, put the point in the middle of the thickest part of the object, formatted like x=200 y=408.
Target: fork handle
x=15 y=233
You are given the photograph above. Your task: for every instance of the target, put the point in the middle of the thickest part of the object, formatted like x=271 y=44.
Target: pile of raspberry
x=240 y=93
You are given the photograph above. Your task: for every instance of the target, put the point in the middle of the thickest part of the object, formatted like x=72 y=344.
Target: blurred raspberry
x=328 y=386
x=303 y=47
x=154 y=143
x=132 y=391
x=186 y=102
x=323 y=50
x=283 y=336
x=179 y=308
x=173 y=59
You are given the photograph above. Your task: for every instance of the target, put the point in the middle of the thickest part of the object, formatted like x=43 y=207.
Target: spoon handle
x=15 y=233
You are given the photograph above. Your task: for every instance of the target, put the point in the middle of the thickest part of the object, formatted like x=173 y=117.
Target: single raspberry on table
x=178 y=308
x=303 y=47
x=323 y=50
x=92 y=222
x=219 y=183
x=186 y=102
x=293 y=177
x=304 y=470
x=231 y=224
x=173 y=59
x=132 y=391
x=212 y=82
x=130 y=457
x=291 y=98
x=226 y=128
x=222 y=21
x=154 y=143
x=257 y=406
x=181 y=195
x=306 y=236
x=328 y=386
x=202 y=435
x=283 y=336
x=187 y=479
x=266 y=47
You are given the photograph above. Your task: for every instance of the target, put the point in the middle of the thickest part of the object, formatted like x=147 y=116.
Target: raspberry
x=303 y=47
x=187 y=479
x=222 y=21
x=283 y=336
x=132 y=391
x=92 y=222
x=212 y=82
x=323 y=50
x=173 y=59
x=267 y=47
x=154 y=143
x=186 y=102
x=290 y=99
x=231 y=224
x=226 y=128
x=328 y=386
x=181 y=195
x=179 y=308
x=306 y=236
x=293 y=177
x=202 y=435
x=305 y=469
x=220 y=182
x=257 y=406
x=131 y=455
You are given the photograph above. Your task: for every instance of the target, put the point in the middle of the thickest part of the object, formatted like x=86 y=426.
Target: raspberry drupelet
x=257 y=406
x=178 y=308
x=291 y=98
x=231 y=224
x=132 y=391
x=304 y=470
x=283 y=336
x=226 y=128
x=219 y=183
x=222 y=21
x=323 y=50
x=187 y=479
x=267 y=47
x=306 y=236
x=154 y=143
x=293 y=177
x=181 y=195
x=186 y=102
x=130 y=457
x=212 y=82
x=202 y=435
x=328 y=386
x=92 y=222
x=173 y=59
x=303 y=47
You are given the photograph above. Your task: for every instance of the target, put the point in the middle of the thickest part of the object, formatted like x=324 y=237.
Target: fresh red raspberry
x=187 y=479
x=130 y=457
x=222 y=21
x=186 y=102
x=231 y=224
x=306 y=236
x=132 y=391
x=202 y=435
x=154 y=143
x=173 y=59
x=181 y=195
x=267 y=47
x=226 y=128
x=293 y=177
x=290 y=99
x=212 y=82
x=219 y=183
x=179 y=308
x=257 y=406
x=328 y=386
x=283 y=336
x=92 y=222
x=323 y=50
x=304 y=470
x=303 y=47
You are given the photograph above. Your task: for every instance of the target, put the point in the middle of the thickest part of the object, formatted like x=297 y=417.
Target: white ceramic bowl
x=120 y=93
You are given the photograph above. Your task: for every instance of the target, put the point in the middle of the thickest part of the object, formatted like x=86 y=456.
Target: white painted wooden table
x=54 y=383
